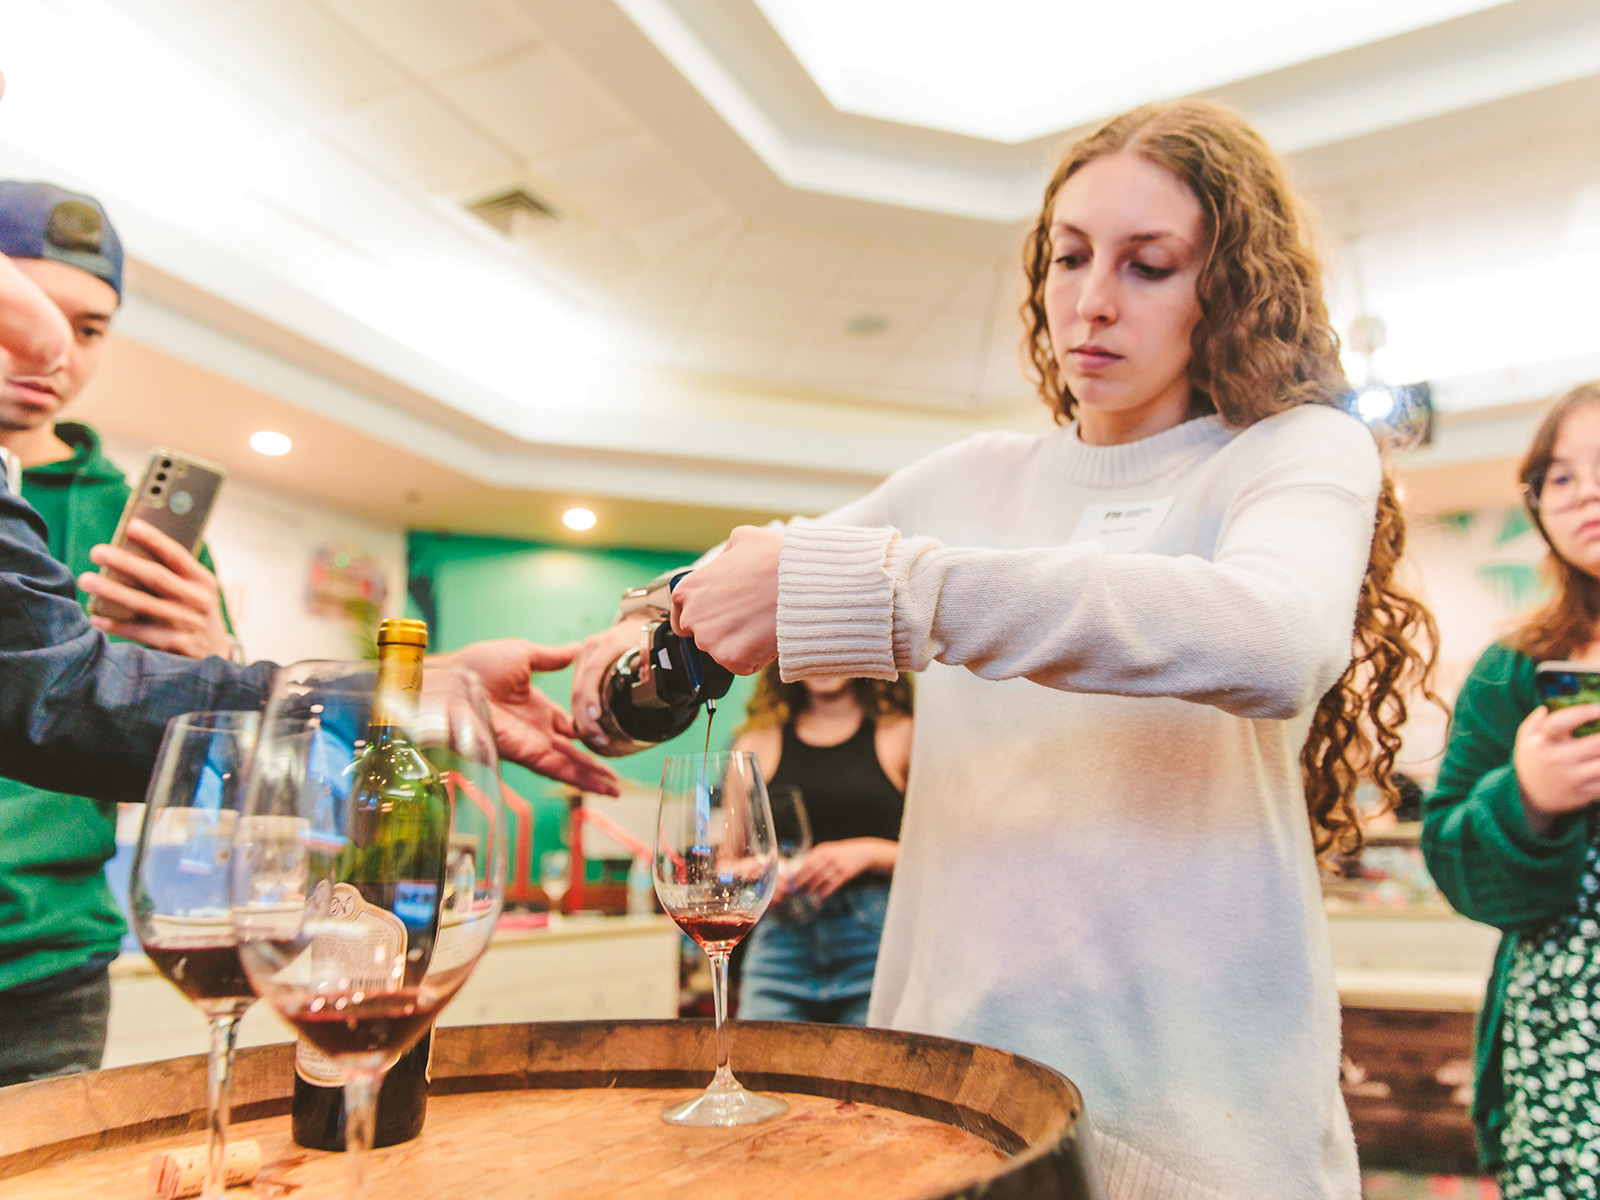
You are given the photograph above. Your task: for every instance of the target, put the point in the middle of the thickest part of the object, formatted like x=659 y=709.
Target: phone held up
x=1563 y=684
x=175 y=495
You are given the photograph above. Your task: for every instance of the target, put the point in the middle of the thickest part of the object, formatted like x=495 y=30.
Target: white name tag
x=1122 y=528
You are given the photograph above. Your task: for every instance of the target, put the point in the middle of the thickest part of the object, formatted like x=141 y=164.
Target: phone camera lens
x=166 y=462
x=161 y=476
x=156 y=491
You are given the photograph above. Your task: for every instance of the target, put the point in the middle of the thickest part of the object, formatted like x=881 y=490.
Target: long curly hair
x=1568 y=620
x=1264 y=344
x=774 y=704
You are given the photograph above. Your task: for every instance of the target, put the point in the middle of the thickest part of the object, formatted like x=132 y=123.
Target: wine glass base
x=724 y=1108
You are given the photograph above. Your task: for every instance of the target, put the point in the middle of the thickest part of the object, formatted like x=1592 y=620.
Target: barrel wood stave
x=568 y=1082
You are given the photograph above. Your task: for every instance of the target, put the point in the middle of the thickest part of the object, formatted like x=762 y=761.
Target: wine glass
x=553 y=877
x=716 y=863
x=369 y=864
x=178 y=891
x=792 y=829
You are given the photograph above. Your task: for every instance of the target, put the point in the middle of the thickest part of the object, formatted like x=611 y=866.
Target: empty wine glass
x=792 y=829
x=369 y=862
x=553 y=876
x=178 y=891
x=716 y=863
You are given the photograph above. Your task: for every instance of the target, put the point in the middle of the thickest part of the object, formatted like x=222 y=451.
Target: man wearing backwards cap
x=65 y=244
x=60 y=927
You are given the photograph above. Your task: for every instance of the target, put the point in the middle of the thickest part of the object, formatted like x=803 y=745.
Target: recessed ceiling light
x=578 y=518
x=867 y=324
x=268 y=442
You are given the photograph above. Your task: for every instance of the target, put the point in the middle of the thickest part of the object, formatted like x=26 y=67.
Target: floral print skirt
x=1551 y=1060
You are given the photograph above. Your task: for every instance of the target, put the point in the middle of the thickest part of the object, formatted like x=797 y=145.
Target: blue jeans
x=55 y=1030
x=819 y=971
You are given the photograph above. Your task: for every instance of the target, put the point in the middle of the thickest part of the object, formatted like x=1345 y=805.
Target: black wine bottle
x=654 y=692
x=317 y=1110
x=395 y=861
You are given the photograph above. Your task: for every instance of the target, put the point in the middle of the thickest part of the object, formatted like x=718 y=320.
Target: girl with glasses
x=1510 y=837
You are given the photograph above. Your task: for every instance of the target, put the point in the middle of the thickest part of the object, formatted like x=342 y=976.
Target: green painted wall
x=473 y=589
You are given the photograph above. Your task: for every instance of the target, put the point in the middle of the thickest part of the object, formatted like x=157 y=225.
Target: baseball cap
x=41 y=220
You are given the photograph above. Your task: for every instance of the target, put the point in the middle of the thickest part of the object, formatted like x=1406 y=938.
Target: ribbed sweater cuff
x=835 y=603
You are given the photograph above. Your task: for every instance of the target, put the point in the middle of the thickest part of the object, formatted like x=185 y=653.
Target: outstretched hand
x=530 y=728
x=730 y=605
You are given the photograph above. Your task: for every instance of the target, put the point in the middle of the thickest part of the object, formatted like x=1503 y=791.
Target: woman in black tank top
x=845 y=746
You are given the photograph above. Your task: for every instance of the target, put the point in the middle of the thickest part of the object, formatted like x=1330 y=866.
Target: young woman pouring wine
x=1115 y=872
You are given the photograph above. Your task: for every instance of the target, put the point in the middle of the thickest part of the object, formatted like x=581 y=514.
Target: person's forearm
x=1261 y=631
x=78 y=713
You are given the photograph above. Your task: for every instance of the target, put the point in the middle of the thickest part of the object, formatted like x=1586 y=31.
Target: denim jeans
x=58 y=1031
x=819 y=971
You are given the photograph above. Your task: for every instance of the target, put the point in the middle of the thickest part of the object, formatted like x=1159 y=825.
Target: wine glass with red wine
x=369 y=865
x=716 y=864
x=178 y=891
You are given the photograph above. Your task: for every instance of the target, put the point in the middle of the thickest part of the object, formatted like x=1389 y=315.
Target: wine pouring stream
x=369 y=862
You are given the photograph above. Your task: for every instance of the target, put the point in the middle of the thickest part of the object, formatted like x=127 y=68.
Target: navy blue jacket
x=79 y=713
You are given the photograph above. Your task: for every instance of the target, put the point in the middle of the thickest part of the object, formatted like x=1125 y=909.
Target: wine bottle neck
x=399 y=685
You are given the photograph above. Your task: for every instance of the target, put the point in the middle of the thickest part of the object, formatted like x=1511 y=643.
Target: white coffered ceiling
x=749 y=296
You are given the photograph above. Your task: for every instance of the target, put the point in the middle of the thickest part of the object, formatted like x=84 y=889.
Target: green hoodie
x=56 y=911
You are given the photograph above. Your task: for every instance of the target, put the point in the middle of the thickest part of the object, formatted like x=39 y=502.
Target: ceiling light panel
x=1014 y=70
x=536 y=102
x=428 y=37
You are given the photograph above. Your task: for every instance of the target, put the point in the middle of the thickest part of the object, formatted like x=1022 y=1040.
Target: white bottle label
x=357 y=946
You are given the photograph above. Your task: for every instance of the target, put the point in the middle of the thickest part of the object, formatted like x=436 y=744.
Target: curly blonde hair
x=774 y=704
x=1264 y=344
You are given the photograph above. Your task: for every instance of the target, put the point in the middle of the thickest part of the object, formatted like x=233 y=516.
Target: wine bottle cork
x=175 y=1173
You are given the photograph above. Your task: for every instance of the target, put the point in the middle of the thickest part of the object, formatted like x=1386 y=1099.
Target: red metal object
x=521 y=886
x=577 y=865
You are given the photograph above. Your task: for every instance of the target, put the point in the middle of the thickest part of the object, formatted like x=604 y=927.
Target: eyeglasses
x=1561 y=488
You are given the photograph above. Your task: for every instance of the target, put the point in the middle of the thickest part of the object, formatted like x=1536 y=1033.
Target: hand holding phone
x=1558 y=771
x=151 y=588
x=175 y=496
x=1565 y=684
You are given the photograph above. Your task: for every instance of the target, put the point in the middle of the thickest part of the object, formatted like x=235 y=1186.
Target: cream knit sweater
x=1112 y=872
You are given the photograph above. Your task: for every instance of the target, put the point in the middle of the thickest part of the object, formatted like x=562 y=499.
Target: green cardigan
x=1485 y=856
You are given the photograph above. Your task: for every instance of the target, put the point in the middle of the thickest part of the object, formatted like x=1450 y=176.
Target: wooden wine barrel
x=572 y=1109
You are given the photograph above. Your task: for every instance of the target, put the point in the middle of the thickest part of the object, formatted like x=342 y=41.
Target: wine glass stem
x=360 y=1111
x=719 y=998
x=219 y=1089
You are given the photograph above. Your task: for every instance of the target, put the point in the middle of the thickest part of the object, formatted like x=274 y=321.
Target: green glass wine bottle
x=394 y=861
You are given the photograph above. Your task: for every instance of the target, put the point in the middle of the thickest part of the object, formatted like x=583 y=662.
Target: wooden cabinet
x=1407 y=1079
x=1410 y=982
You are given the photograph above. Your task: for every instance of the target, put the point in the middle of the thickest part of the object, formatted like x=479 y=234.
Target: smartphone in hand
x=175 y=495
x=1563 y=684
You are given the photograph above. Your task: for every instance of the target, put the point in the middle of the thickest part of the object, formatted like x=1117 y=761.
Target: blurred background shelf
x=575 y=968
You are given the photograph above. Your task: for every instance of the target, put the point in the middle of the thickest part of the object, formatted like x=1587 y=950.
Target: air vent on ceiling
x=514 y=212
